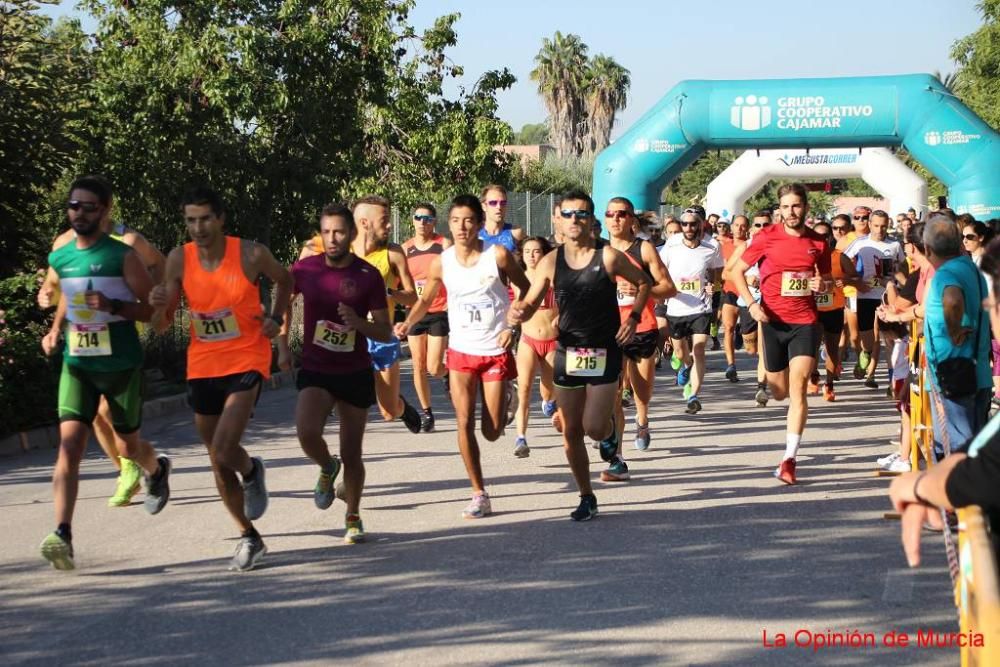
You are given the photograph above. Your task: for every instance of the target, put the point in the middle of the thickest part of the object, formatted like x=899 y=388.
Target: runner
x=851 y=338
x=671 y=228
x=536 y=349
x=371 y=214
x=428 y=339
x=229 y=356
x=831 y=306
x=792 y=256
x=495 y=230
x=130 y=473
x=582 y=274
x=639 y=370
x=105 y=287
x=730 y=298
x=694 y=265
x=338 y=290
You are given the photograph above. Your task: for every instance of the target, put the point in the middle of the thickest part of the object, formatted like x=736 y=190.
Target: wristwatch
x=116 y=306
x=635 y=317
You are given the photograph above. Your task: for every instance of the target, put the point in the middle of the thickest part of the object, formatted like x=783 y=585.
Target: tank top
x=587 y=301
x=224 y=308
x=625 y=302
x=96 y=340
x=477 y=303
x=504 y=237
x=419 y=261
x=380 y=260
x=833 y=300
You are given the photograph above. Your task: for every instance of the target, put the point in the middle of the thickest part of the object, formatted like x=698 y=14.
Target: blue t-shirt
x=962 y=273
x=505 y=238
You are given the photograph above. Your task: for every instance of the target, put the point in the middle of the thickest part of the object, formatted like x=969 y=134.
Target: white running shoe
x=899 y=465
x=887 y=461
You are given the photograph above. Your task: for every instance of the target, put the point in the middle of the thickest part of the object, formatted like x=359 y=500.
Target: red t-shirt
x=789 y=261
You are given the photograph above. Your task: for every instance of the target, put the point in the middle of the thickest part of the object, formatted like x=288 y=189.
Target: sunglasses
x=861 y=217
x=496 y=202
x=85 y=206
x=617 y=215
x=970 y=237
x=691 y=224
x=761 y=224
x=426 y=219
x=581 y=214
x=839 y=228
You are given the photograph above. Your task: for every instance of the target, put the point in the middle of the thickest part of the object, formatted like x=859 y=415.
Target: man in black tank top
x=582 y=273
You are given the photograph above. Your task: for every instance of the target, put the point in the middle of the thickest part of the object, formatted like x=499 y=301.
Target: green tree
x=606 y=94
x=561 y=74
x=532 y=133
x=978 y=57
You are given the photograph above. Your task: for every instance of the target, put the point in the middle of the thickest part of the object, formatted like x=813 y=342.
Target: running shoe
x=510 y=389
x=323 y=493
x=158 y=487
x=129 y=483
x=786 y=471
x=58 y=551
x=616 y=472
x=557 y=422
x=478 y=508
x=829 y=394
x=642 y=437
x=838 y=371
x=872 y=384
x=885 y=461
x=626 y=398
x=587 y=509
x=859 y=372
x=713 y=330
x=255 y=491
x=864 y=359
x=548 y=408
x=889 y=393
x=715 y=344
x=609 y=446
x=427 y=422
x=521 y=449
x=249 y=551
x=688 y=391
x=731 y=374
x=761 y=397
x=683 y=376
x=354 y=532
x=813 y=387
x=675 y=363
x=900 y=465
x=410 y=417
x=693 y=406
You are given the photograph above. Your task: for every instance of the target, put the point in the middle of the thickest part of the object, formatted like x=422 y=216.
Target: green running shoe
x=323 y=493
x=688 y=391
x=675 y=362
x=864 y=359
x=58 y=551
x=129 y=482
x=355 y=532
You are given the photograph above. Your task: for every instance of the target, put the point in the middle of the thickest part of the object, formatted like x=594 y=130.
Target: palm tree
x=561 y=74
x=607 y=94
x=948 y=80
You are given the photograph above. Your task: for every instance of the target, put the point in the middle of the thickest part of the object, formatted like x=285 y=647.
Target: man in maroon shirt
x=796 y=264
x=339 y=290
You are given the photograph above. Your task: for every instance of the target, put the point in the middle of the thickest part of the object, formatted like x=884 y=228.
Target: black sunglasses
x=970 y=237
x=579 y=213
x=839 y=228
x=687 y=223
x=861 y=217
x=85 y=206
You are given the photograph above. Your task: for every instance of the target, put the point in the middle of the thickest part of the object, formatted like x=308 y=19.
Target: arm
x=523 y=309
x=408 y=295
x=618 y=266
x=518 y=234
x=930 y=487
x=446 y=243
x=48 y=293
x=51 y=339
x=263 y=263
x=378 y=329
x=423 y=304
x=165 y=297
x=663 y=286
x=953 y=303
x=138 y=280
x=284 y=349
x=152 y=259
x=510 y=268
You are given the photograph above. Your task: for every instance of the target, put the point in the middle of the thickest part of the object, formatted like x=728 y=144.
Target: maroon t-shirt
x=788 y=262
x=328 y=346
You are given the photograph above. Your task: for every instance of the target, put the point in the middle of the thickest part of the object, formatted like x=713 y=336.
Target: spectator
x=959 y=480
x=975 y=236
x=955 y=327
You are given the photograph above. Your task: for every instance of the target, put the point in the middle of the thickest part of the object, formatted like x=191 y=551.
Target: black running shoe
x=587 y=509
x=411 y=417
x=427 y=422
x=158 y=487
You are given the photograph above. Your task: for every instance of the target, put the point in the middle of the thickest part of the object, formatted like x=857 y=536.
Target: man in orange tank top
x=229 y=356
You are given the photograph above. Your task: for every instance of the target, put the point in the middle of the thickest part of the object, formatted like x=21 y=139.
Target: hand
x=883 y=314
x=45 y=295
x=158 y=296
x=838 y=283
x=627 y=289
x=709 y=289
x=515 y=314
x=284 y=355
x=963 y=333
x=818 y=285
x=753 y=281
x=759 y=315
x=49 y=342
x=506 y=339
x=912 y=521
x=349 y=316
x=626 y=331
x=401 y=330
x=97 y=301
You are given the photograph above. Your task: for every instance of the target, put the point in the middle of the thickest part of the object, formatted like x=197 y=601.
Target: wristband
x=116 y=306
x=635 y=317
x=916 y=494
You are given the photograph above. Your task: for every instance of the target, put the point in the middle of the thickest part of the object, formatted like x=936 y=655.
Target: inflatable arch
x=914 y=111
x=885 y=172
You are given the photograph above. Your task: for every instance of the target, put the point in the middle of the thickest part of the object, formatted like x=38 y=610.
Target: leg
x=643 y=374
x=681 y=350
x=464 y=389
x=73 y=437
x=545 y=387
x=698 y=354
x=352 y=430
x=436 y=345
x=571 y=405
x=797 y=377
x=494 y=413
x=597 y=410
x=311 y=412
x=390 y=404
x=730 y=315
x=418 y=353
x=105 y=434
x=525 y=378
x=221 y=434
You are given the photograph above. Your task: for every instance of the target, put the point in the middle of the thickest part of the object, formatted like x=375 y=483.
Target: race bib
x=795 y=283
x=824 y=300
x=420 y=287
x=477 y=316
x=690 y=285
x=873 y=281
x=215 y=326
x=624 y=299
x=333 y=337
x=89 y=340
x=586 y=361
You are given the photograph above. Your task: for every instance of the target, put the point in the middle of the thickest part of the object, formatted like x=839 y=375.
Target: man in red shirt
x=796 y=264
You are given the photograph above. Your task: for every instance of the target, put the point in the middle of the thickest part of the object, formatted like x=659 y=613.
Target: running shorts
x=586 y=366
x=357 y=388
x=207 y=396
x=783 y=342
x=80 y=392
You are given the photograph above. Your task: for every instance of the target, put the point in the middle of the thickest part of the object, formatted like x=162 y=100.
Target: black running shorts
x=783 y=342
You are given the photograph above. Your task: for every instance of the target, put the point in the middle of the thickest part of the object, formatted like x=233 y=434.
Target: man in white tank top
x=480 y=340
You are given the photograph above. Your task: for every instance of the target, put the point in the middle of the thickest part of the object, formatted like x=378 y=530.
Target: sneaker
x=609 y=446
x=813 y=387
x=411 y=418
x=693 y=406
x=248 y=552
x=864 y=359
x=354 y=530
x=675 y=363
x=587 y=509
x=731 y=374
x=642 y=437
x=688 y=391
x=713 y=330
x=829 y=394
x=761 y=397
x=58 y=551
x=427 y=422
x=886 y=461
x=889 y=393
x=510 y=392
x=683 y=376
x=786 y=471
x=478 y=508
x=715 y=343
x=900 y=465
x=323 y=493
x=254 y=491
x=557 y=422
x=626 y=398
x=548 y=408
x=129 y=482
x=616 y=472
x=158 y=487
x=521 y=449
x=859 y=372
x=872 y=384
x=838 y=371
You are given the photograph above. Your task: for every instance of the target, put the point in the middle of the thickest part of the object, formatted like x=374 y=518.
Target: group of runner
x=590 y=314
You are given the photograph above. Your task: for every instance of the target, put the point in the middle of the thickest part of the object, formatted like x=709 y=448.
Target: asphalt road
x=689 y=563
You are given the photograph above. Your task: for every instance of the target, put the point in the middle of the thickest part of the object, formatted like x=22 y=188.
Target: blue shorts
x=384 y=355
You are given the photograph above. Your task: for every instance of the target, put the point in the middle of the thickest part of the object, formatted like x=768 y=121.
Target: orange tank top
x=834 y=299
x=224 y=307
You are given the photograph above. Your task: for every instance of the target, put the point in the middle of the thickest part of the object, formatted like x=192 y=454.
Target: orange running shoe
x=828 y=393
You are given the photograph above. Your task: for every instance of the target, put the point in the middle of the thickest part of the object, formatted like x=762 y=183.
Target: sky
x=663 y=42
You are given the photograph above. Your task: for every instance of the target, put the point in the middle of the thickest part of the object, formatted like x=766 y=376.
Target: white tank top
x=477 y=303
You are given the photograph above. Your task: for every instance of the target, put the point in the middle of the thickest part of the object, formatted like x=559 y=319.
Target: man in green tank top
x=105 y=287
